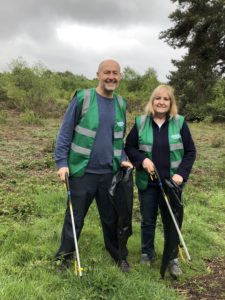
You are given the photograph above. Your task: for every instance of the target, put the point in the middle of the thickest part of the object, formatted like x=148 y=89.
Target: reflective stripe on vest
x=119 y=134
x=117 y=152
x=175 y=164
x=80 y=150
x=142 y=122
x=86 y=129
x=146 y=148
x=86 y=102
x=176 y=146
x=145 y=133
x=120 y=100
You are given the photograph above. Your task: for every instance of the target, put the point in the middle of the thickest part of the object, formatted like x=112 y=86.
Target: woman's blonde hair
x=173 y=106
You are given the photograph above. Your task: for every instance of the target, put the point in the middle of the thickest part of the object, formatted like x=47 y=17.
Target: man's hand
x=178 y=179
x=148 y=165
x=127 y=164
x=61 y=173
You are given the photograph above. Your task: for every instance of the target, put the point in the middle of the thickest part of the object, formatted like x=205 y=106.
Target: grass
x=32 y=205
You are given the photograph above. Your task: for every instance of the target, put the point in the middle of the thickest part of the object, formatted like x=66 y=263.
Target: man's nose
x=111 y=76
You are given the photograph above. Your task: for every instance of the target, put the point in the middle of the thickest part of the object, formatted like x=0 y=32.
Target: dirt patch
x=210 y=286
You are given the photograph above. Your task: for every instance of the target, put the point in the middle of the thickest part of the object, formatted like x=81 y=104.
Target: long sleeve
x=189 y=153
x=65 y=134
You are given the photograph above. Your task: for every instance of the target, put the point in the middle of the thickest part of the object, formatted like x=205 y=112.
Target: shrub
x=29 y=117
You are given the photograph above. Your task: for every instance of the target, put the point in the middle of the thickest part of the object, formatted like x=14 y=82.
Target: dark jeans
x=83 y=191
x=150 y=200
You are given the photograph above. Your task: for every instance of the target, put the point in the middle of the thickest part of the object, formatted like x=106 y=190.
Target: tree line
x=47 y=93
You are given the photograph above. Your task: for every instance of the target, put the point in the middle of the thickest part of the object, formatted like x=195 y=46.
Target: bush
x=29 y=117
x=3 y=118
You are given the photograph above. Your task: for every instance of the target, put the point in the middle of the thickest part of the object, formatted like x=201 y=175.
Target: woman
x=160 y=139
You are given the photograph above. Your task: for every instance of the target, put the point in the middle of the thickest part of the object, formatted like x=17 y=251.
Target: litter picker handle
x=77 y=266
x=172 y=216
x=177 y=228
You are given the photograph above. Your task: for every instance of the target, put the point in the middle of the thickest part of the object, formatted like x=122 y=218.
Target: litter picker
x=172 y=216
x=77 y=267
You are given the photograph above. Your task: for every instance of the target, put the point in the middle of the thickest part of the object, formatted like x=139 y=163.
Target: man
x=90 y=148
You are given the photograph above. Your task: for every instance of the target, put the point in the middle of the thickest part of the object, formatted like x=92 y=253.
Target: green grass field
x=32 y=206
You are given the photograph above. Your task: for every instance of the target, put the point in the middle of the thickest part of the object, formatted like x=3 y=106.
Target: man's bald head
x=110 y=62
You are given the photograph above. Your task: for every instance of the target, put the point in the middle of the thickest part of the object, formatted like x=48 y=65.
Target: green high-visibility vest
x=85 y=131
x=145 y=136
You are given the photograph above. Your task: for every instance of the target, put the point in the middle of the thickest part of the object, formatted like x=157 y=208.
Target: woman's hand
x=148 y=165
x=126 y=164
x=178 y=179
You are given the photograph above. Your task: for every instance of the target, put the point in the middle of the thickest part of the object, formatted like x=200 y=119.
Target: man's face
x=109 y=76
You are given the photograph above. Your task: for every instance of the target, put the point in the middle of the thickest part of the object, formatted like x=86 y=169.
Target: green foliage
x=30 y=117
x=217 y=104
x=199 y=27
x=208 y=119
x=38 y=89
x=40 y=93
x=137 y=88
x=3 y=92
x=3 y=117
x=48 y=93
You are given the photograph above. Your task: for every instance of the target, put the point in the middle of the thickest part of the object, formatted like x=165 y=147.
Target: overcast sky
x=76 y=35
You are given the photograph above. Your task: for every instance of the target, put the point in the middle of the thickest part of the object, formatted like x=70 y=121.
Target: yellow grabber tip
x=181 y=253
x=76 y=269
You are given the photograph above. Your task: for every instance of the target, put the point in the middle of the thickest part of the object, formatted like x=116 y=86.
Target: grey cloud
x=28 y=29
x=38 y=18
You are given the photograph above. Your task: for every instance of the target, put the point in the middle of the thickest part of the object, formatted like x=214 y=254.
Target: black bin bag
x=174 y=193
x=121 y=195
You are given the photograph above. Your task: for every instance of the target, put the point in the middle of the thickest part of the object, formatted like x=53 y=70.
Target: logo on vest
x=120 y=124
x=175 y=136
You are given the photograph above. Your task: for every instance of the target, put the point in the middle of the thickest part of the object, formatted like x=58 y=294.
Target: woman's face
x=161 y=102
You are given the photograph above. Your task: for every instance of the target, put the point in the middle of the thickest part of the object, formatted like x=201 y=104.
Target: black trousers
x=171 y=236
x=150 y=199
x=83 y=191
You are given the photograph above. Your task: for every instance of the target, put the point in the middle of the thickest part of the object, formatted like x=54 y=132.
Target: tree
x=149 y=82
x=132 y=79
x=200 y=28
x=30 y=88
x=217 y=106
x=3 y=90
